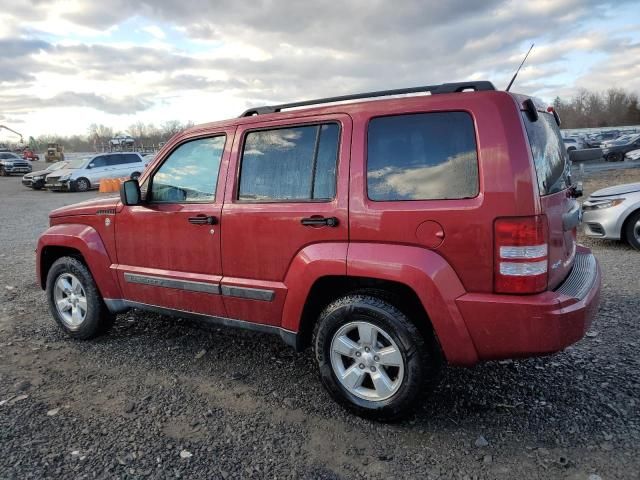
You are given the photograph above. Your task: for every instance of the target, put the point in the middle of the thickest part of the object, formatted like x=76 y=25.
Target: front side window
x=190 y=173
x=290 y=164
x=423 y=156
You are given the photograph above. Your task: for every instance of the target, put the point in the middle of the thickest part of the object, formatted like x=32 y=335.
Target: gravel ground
x=162 y=398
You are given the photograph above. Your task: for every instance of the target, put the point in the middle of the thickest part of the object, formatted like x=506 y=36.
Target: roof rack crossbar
x=458 y=87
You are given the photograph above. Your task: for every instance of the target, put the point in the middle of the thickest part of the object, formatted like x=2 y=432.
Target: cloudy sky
x=66 y=64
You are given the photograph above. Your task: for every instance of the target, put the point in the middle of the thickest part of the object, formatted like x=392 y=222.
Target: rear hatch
x=553 y=171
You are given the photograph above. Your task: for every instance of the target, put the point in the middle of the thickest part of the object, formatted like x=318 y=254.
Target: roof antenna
x=518 y=70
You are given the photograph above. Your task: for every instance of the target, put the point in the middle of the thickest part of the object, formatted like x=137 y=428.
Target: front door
x=288 y=192
x=169 y=247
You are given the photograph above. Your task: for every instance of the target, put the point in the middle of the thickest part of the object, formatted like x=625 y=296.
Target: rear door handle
x=318 y=221
x=203 y=220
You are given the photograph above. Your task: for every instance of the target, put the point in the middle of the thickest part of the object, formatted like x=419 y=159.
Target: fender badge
x=107 y=222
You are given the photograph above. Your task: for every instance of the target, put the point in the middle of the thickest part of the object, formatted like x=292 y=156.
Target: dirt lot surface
x=163 y=398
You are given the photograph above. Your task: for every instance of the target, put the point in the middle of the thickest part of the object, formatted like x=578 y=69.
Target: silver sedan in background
x=614 y=213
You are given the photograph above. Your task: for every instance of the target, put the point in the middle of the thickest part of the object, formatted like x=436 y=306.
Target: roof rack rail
x=458 y=87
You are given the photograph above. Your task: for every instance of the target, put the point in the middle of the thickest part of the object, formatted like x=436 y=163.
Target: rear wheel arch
x=327 y=289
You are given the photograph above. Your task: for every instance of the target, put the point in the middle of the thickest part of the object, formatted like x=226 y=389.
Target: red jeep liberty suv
x=391 y=234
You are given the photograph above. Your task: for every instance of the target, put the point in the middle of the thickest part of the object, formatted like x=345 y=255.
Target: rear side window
x=285 y=164
x=116 y=160
x=131 y=158
x=423 y=156
x=549 y=154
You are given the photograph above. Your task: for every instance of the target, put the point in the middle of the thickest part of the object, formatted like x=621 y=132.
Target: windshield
x=5 y=156
x=78 y=162
x=549 y=155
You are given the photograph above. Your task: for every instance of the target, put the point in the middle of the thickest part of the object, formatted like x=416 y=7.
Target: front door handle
x=318 y=221
x=203 y=220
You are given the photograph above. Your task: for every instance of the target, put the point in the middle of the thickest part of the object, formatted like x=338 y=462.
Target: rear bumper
x=510 y=326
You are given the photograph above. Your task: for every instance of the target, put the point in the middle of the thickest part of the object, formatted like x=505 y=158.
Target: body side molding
x=119 y=306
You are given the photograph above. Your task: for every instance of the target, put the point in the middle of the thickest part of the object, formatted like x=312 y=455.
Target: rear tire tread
x=423 y=364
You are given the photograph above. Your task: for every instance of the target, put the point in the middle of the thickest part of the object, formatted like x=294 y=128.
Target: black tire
x=3 y=173
x=422 y=363
x=98 y=319
x=629 y=230
x=135 y=175
x=82 y=184
x=615 y=157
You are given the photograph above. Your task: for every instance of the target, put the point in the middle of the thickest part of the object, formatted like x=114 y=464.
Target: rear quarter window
x=549 y=155
x=423 y=156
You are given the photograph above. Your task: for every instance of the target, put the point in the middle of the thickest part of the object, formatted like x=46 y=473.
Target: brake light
x=521 y=254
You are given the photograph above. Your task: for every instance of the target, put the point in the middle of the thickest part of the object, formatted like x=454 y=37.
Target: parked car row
x=85 y=173
x=614 y=144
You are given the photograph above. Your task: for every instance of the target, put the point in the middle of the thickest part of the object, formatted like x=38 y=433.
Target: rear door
x=288 y=190
x=129 y=163
x=563 y=213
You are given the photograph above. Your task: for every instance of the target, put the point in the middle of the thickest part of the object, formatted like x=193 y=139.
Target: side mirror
x=91 y=165
x=130 y=192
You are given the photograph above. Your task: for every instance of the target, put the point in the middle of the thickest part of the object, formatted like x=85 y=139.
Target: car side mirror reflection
x=130 y=192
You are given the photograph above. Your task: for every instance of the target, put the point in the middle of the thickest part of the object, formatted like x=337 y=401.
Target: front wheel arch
x=52 y=253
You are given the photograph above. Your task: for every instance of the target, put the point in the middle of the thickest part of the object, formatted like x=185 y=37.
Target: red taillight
x=521 y=254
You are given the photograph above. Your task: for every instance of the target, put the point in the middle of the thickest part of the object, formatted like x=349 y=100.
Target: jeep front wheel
x=74 y=300
x=372 y=359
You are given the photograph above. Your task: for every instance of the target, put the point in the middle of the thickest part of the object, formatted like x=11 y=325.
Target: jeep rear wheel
x=74 y=300
x=372 y=359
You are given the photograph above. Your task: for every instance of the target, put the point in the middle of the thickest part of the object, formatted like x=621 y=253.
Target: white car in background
x=572 y=143
x=632 y=155
x=613 y=213
x=86 y=173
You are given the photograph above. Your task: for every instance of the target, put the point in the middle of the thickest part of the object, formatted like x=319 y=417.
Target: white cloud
x=155 y=31
x=212 y=60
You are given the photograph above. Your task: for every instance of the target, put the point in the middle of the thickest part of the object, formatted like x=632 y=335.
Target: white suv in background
x=86 y=173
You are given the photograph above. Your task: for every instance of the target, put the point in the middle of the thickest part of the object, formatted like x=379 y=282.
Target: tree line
x=145 y=134
x=615 y=107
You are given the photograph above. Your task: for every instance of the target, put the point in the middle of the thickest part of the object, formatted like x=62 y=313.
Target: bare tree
x=614 y=107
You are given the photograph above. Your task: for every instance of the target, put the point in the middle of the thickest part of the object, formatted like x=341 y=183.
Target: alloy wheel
x=70 y=300
x=367 y=361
